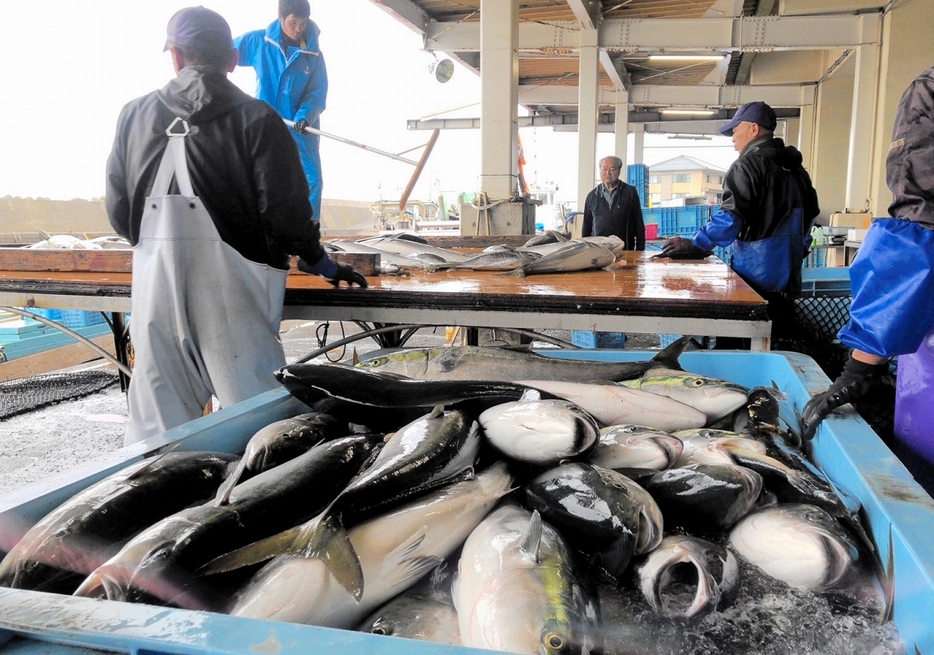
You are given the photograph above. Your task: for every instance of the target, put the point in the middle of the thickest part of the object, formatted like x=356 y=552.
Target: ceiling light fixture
x=686 y=57
x=688 y=112
x=691 y=137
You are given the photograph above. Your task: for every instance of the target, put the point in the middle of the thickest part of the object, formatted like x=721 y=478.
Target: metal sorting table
x=636 y=294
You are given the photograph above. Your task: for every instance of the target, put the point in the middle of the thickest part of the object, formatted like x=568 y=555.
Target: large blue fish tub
x=900 y=517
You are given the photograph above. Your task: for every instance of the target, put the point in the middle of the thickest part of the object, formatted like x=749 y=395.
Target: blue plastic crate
x=897 y=509
x=637 y=175
x=70 y=318
x=587 y=339
x=666 y=340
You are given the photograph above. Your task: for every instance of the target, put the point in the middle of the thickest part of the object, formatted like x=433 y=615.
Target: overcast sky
x=70 y=65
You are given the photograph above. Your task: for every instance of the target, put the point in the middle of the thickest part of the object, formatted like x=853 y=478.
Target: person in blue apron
x=205 y=183
x=613 y=208
x=768 y=208
x=292 y=78
x=892 y=285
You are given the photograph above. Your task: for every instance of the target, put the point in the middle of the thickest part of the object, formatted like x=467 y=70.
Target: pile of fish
x=552 y=252
x=491 y=498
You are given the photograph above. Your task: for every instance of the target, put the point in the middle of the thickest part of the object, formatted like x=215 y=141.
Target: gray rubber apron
x=205 y=319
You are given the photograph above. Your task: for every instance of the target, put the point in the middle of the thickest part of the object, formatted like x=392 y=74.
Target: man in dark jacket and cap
x=768 y=208
x=206 y=183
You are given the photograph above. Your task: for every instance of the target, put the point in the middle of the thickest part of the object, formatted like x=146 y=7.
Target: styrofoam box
x=899 y=514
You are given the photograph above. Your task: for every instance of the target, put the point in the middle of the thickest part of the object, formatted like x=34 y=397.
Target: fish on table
x=569 y=258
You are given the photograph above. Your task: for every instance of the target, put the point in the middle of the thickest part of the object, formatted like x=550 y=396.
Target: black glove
x=299 y=126
x=346 y=273
x=681 y=248
x=856 y=380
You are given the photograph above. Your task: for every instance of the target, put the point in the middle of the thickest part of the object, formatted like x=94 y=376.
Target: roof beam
x=587 y=12
x=406 y=12
x=690 y=96
x=616 y=70
x=654 y=121
x=742 y=34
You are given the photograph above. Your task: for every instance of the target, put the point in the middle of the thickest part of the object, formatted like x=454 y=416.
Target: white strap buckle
x=170 y=130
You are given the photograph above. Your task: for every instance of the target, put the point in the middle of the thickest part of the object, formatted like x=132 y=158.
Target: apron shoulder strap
x=174 y=163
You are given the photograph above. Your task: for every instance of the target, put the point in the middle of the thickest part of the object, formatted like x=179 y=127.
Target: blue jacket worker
x=892 y=282
x=768 y=208
x=204 y=182
x=613 y=208
x=292 y=78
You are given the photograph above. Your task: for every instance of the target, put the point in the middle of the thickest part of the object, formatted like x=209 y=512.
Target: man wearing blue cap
x=205 y=182
x=768 y=208
x=292 y=78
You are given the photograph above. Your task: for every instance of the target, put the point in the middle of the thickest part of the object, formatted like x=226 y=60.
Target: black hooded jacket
x=242 y=160
x=764 y=184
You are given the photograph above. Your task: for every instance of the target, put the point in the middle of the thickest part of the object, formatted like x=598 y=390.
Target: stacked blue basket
x=637 y=175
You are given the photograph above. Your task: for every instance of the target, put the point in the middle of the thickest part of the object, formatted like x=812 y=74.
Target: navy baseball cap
x=197 y=27
x=752 y=112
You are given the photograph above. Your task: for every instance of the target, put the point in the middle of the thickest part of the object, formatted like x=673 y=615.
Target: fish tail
x=330 y=543
x=516 y=272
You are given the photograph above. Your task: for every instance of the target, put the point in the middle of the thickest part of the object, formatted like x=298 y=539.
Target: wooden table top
x=635 y=284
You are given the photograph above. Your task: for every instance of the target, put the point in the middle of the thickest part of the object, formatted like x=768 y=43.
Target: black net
x=819 y=318
x=29 y=394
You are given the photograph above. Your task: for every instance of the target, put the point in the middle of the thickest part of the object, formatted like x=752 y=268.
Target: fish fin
x=356 y=358
x=516 y=272
x=223 y=492
x=329 y=542
x=436 y=411
x=254 y=553
x=533 y=538
x=668 y=357
x=404 y=562
x=146 y=468
x=531 y=394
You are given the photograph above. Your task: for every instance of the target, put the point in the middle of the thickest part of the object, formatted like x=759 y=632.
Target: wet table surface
x=636 y=294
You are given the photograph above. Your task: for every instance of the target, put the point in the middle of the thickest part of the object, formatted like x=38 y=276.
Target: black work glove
x=856 y=380
x=346 y=273
x=299 y=126
x=681 y=248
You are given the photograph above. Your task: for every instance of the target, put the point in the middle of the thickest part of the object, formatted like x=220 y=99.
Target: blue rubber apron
x=205 y=319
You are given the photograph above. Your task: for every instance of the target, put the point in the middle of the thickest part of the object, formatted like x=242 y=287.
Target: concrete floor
x=36 y=445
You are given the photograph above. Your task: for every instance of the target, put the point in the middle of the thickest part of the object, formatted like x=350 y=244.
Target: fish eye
x=554 y=641
x=698 y=382
x=380 y=630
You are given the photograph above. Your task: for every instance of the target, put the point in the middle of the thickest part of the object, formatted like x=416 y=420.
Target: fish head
x=411 y=362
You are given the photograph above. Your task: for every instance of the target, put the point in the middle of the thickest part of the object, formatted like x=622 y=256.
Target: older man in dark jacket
x=613 y=208
x=206 y=183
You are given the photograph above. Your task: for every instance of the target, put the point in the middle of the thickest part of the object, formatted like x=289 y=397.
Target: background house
x=685 y=177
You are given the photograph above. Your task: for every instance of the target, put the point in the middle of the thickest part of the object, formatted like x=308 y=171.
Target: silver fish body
x=517 y=590
x=506 y=365
x=662 y=579
x=799 y=544
x=612 y=404
x=629 y=446
x=408 y=248
x=541 y=432
x=66 y=545
x=394 y=550
x=159 y=564
x=716 y=398
x=572 y=256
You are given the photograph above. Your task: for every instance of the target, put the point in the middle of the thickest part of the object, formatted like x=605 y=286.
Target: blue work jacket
x=295 y=83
